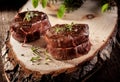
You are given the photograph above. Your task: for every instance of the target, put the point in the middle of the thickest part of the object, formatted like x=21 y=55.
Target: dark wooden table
x=109 y=72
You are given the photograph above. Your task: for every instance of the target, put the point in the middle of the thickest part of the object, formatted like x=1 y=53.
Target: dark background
x=109 y=72
x=11 y=4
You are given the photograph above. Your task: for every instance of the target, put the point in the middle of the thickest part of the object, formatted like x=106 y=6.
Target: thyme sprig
x=29 y=15
x=37 y=51
x=59 y=29
x=67 y=27
x=36 y=58
x=47 y=58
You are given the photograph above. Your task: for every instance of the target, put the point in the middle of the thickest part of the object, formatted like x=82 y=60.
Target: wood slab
x=101 y=27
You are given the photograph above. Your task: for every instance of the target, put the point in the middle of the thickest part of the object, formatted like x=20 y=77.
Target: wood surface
x=5 y=20
x=100 y=32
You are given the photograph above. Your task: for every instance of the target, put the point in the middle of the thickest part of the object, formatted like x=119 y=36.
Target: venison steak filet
x=28 y=26
x=68 y=41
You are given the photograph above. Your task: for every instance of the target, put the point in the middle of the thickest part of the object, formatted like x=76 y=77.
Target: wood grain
x=102 y=27
x=5 y=20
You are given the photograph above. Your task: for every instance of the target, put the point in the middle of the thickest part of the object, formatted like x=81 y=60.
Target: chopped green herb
x=35 y=50
x=58 y=29
x=48 y=59
x=29 y=15
x=33 y=59
x=47 y=56
x=67 y=27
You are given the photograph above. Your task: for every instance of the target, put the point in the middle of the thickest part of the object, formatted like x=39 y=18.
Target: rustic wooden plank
x=100 y=32
x=5 y=19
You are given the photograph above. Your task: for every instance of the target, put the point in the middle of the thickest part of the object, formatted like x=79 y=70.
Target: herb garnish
x=36 y=52
x=47 y=58
x=67 y=27
x=33 y=59
x=59 y=29
x=29 y=15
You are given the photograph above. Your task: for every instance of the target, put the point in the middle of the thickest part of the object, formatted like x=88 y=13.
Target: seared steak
x=71 y=52
x=29 y=25
x=64 y=36
x=68 y=41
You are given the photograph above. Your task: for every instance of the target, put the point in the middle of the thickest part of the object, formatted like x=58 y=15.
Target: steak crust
x=71 y=52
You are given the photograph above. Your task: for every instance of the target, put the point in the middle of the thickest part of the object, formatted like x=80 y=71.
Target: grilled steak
x=67 y=41
x=29 y=25
x=71 y=52
x=64 y=36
